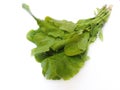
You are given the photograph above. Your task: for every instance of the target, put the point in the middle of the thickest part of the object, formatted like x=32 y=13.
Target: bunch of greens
x=62 y=45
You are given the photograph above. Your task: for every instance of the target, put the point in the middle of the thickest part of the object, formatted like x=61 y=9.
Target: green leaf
x=58 y=44
x=41 y=56
x=83 y=43
x=64 y=25
x=56 y=33
x=66 y=67
x=30 y=35
x=101 y=35
x=51 y=30
x=26 y=7
x=78 y=45
x=43 y=42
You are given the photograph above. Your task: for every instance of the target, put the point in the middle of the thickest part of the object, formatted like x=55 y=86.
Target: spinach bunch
x=61 y=45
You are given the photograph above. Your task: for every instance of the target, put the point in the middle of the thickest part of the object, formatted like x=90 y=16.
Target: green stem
x=26 y=7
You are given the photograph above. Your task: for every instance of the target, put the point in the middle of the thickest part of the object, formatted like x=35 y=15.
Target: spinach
x=62 y=45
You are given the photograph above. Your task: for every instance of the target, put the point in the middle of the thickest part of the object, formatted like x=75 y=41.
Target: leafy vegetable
x=66 y=67
x=62 y=45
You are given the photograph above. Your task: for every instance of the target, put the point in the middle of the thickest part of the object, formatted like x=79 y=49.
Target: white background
x=20 y=71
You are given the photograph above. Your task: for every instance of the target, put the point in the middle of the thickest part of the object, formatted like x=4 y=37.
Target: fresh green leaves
x=62 y=66
x=61 y=45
